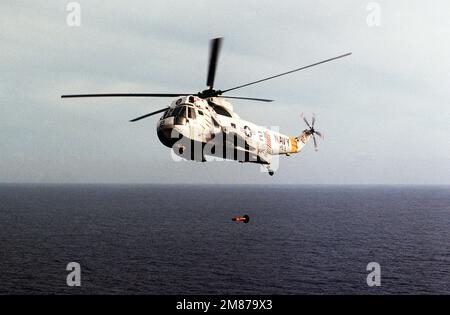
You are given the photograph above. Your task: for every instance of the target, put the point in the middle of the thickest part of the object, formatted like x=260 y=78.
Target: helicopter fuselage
x=195 y=128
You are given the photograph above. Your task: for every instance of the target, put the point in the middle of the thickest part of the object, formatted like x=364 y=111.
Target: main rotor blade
x=315 y=143
x=318 y=133
x=313 y=120
x=248 y=98
x=148 y=115
x=125 y=95
x=284 y=73
x=216 y=43
x=306 y=122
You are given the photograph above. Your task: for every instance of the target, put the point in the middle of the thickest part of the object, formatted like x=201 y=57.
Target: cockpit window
x=191 y=112
x=177 y=111
x=168 y=113
x=181 y=112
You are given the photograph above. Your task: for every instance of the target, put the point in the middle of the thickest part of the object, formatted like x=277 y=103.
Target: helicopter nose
x=165 y=136
x=164 y=131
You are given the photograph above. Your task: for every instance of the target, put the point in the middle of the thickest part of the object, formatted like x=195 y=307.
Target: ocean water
x=155 y=239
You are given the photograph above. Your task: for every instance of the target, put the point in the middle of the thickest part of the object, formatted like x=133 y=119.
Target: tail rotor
x=311 y=130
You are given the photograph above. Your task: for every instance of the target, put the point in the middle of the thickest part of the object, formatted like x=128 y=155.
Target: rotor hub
x=209 y=93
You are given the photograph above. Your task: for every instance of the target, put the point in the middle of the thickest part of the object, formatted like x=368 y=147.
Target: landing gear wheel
x=269 y=170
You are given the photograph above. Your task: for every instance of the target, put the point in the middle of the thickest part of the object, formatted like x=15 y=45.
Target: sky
x=384 y=110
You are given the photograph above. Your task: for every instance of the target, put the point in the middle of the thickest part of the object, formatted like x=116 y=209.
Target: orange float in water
x=244 y=219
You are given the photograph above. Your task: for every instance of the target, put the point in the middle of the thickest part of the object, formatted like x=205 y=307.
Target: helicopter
x=204 y=124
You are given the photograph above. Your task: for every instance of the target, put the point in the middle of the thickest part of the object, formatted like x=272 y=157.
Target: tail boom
x=297 y=143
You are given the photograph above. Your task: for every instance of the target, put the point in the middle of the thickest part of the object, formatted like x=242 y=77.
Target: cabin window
x=200 y=112
x=216 y=124
x=219 y=110
x=233 y=125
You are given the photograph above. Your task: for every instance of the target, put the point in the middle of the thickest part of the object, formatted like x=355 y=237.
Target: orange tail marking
x=294 y=145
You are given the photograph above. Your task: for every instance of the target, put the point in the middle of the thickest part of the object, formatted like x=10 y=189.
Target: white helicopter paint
x=200 y=121
x=207 y=121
